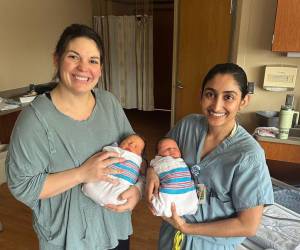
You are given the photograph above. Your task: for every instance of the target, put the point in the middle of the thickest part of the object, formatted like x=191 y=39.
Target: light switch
x=251 y=86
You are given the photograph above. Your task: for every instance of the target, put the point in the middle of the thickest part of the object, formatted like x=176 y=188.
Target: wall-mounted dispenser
x=280 y=77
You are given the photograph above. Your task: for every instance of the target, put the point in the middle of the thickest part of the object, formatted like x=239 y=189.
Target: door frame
x=175 y=60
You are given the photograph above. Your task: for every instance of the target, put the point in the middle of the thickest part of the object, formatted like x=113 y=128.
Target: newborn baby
x=176 y=185
x=102 y=192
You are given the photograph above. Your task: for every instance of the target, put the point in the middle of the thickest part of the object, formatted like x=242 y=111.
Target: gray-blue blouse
x=46 y=141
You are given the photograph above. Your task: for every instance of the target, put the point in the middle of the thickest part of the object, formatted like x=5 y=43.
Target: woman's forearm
x=224 y=228
x=60 y=182
x=94 y=169
x=245 y=224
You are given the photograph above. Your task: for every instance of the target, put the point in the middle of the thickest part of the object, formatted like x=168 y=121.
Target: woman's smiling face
x=80 y=67
x=221 y=100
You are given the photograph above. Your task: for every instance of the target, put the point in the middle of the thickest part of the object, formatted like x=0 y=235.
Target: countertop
x=16 y=93
x=290 y=140
x=6 y=112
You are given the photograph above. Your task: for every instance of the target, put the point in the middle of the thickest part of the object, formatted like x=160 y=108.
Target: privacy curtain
x=128 y=64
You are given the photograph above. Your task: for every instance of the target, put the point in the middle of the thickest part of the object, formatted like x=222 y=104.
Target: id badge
x=201 y=192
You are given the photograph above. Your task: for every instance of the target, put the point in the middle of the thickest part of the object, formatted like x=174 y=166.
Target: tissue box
x=26 y=99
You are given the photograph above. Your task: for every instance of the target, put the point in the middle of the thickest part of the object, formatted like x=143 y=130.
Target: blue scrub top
x=235 y=175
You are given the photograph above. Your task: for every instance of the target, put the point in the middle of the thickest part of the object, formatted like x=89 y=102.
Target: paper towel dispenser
x=280 y=77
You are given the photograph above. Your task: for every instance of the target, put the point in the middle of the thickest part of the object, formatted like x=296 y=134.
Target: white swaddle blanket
x=103 y=192
x=176 y=186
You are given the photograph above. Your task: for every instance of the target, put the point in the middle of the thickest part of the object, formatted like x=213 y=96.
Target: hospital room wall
x=29 y=32
x=252 y=50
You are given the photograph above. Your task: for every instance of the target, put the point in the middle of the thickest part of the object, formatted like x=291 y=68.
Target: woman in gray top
x=227 y=165
x=56 y=146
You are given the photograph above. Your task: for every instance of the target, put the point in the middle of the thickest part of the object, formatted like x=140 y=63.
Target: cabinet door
x=287 y=26
x=7 y=123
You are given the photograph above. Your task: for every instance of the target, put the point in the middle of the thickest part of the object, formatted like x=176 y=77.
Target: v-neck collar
x=220 y=147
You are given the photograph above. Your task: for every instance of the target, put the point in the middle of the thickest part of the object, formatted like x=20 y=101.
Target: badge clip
x=201 y=192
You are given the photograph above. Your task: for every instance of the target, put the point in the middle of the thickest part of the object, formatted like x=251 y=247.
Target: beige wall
x=29 y=32
x=254 y=37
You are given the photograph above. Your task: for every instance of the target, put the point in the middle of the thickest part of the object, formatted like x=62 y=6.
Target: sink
x=294 y=132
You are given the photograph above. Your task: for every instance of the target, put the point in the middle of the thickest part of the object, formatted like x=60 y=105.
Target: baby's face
x=134 y=144
x=169 y=147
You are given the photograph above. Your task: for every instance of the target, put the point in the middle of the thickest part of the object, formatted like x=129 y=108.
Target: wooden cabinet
x=283 y=158
x=7 y=122
x=281 y=151
x=287 y=26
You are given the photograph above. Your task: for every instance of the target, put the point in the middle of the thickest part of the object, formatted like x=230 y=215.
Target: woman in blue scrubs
x=228 y=167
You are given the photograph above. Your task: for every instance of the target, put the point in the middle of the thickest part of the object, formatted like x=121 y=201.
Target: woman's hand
x=152 y=186
x=175 y=220
x=96 y=168
x=132 y=195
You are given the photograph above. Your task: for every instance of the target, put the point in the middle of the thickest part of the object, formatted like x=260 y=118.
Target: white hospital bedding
x=279 y=230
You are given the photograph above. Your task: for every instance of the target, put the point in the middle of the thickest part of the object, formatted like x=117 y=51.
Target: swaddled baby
x=102 y=192
x=176 y=184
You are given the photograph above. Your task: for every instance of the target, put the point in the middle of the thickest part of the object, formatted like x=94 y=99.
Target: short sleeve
x=27 y=159
x=123 y=122
x=112 y=105
x=252 y=184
